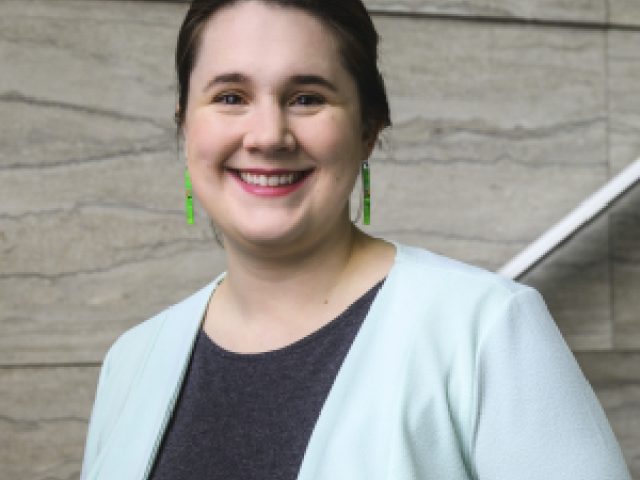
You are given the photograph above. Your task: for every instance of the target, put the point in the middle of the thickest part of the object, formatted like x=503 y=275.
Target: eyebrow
x=226 y=78
x=309 y=79
x=303 y=79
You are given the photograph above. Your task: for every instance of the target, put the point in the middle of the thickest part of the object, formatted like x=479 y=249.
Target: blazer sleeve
x=536 y=414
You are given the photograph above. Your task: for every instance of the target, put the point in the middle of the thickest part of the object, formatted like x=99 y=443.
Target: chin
x=269 y=237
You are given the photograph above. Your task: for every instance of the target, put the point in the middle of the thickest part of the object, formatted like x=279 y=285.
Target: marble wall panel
x=75 y=317
x=625 y=237
x=43 y=421
x=513 y=82
x=89 y=214
x=554 y=10
x=623 y=63
x=43 y=133
x=92 y=236
x=487 y=107
x=615 y=377
x=112 y=58
x=624 y=112
x=624 y=12
x=475 y=212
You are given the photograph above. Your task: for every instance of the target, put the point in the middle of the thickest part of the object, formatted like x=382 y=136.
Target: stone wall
x=507 y=114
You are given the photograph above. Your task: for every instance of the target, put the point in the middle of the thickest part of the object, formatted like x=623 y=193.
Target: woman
x=324 y=353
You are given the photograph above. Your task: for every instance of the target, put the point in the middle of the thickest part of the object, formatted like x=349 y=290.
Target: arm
x=537 y=416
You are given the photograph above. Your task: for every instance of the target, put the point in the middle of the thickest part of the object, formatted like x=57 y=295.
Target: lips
x=270 y=182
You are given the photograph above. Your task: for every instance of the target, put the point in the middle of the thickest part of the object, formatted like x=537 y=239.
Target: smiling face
x=273 y=131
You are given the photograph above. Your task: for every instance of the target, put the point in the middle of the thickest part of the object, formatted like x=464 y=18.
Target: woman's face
x=273 y=131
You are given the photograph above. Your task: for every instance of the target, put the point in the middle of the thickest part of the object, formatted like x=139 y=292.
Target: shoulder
x=132 y=346
x=428 y=263
x=450 y=307
x=453 y=282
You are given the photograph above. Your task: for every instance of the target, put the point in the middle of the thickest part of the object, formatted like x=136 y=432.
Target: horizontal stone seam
x=512 y=20
x=442 y=128
x=32 y=424
x=503 y=159
x=82 y=161
x=486 y=18
x=18 y=97
x=81 y=207
x=47 y=366
x=605 y=24
x=199 y=245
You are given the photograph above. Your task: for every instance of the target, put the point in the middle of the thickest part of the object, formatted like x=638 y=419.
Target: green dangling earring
x=188 y=200
x=366 y=190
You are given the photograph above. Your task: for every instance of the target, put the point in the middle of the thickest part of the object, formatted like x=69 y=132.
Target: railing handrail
x=581 y=216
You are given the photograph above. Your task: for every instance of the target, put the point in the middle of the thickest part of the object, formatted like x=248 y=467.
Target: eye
x=228 y=99
x=307 y=100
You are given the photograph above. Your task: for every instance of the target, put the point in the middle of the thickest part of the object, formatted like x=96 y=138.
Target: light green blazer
x=455 y=374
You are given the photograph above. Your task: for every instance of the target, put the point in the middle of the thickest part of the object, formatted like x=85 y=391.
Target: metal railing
x=580 y=217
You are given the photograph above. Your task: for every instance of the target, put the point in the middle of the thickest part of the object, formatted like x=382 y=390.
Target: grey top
x=250 y=416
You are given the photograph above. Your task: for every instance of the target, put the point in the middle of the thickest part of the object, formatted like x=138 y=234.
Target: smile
x=271 y=180
x=271 y=183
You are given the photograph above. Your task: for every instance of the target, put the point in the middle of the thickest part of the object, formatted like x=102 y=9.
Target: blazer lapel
x=133 y=444
x=348 y=440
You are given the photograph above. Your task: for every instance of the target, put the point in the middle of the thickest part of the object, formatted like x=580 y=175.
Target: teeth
x=270 y=180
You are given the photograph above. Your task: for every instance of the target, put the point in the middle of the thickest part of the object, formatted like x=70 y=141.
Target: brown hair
x=352 y=26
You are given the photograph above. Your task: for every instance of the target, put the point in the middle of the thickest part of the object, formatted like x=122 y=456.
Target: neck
x=272 y=287
x=269 y=301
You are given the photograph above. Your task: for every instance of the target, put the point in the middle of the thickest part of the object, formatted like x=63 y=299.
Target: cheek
x=338 y=137
x=338 y=155
x=208 y=143
x=347 y=157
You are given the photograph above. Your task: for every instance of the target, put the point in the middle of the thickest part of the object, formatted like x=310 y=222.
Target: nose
x=268 y=130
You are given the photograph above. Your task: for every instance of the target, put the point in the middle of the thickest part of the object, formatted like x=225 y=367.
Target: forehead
x=266 y=40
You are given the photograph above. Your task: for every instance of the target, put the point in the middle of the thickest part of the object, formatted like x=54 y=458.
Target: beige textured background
x=507 y=114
